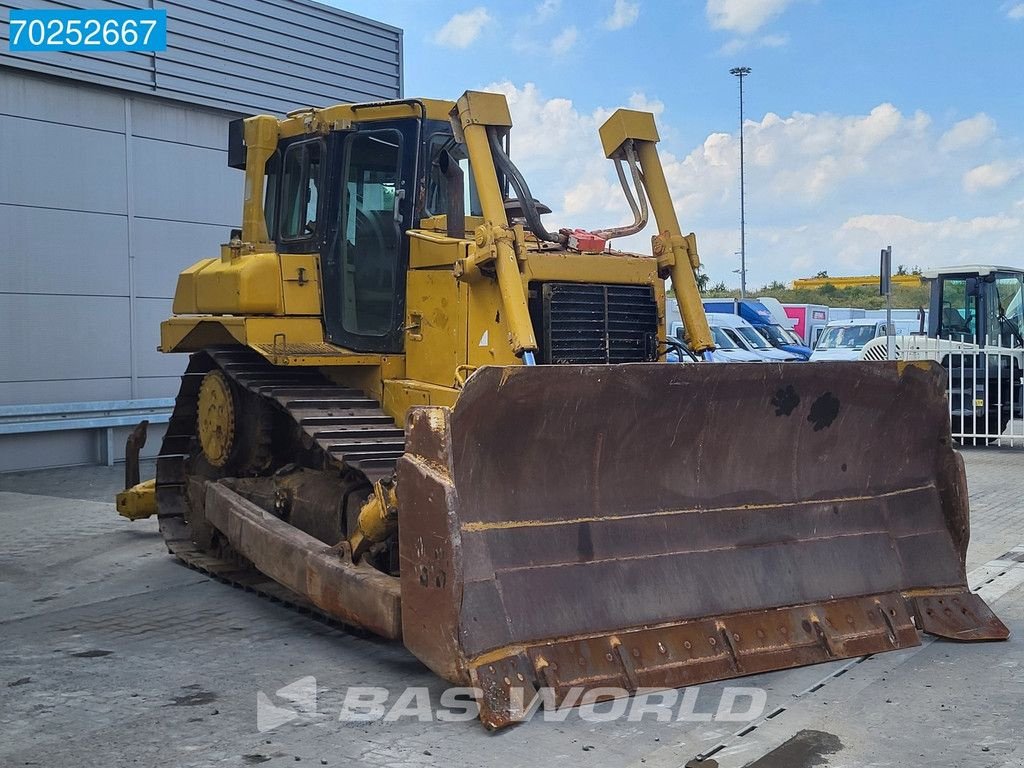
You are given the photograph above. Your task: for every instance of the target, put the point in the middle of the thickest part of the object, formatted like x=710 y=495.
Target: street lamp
x=741 y=72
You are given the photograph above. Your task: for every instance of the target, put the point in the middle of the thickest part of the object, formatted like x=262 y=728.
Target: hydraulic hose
x=526 y=200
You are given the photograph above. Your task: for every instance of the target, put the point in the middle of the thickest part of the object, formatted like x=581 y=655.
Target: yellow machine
x=413 y=408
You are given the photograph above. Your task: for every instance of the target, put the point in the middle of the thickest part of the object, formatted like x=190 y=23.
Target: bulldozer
x=411 y=407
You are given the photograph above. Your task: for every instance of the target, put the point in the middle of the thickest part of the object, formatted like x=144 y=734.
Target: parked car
x=844 y=339
x=726 y=350
x=744 y=335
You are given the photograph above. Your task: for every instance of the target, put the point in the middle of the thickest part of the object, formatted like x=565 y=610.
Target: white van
x=844 y=339
x=726 y=350
x=746 y=337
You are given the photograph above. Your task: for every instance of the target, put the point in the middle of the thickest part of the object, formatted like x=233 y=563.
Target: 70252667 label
x=39 y=31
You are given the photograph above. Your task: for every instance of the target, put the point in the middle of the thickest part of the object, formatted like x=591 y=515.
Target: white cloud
x=773 y=41
x=737 y=44
x=638 y=100
x=462 y=29
x=565 y=40
x=824 y=191
x=928 y=242
x=624 y=14
x=991 y=176
x=1015 y=12
x=743 y=17
x=968 y=133
x=546 y=9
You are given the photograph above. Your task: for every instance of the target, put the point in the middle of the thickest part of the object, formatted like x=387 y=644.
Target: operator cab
x=349 y=195
x=978 y=305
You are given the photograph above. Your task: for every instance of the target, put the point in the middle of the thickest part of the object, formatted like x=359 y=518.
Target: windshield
x=774 y=334
x=752 y=337
x=722 y=341
x=794 y=339
x=846 y=337
x=1009 y=312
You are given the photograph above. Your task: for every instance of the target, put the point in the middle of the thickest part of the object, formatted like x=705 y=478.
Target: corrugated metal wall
x=110 y=186
x=245 y=55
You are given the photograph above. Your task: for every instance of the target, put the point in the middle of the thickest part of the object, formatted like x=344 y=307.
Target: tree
x=916 y=270
x=702 y=279
x=774 y=285
x=719 y=287
x=900 y=269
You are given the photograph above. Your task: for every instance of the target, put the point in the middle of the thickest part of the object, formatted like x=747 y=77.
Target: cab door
x=365 y=254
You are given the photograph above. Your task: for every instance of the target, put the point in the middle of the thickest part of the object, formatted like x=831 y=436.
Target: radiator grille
x=585 y=323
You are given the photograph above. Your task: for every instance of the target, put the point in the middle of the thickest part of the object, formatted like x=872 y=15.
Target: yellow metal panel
x=427 y=249
x=260 y=144
x=185 y=292
x=300 y=275
x=591 y=268
x=483 y=108
x=402 y=394
x=487 y=341
x=626 y=124
x=189 y=334
x=249 y=284
x=435 y=337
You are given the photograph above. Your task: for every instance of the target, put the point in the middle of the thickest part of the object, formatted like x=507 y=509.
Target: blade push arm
x=676 y=253
x=475 y=114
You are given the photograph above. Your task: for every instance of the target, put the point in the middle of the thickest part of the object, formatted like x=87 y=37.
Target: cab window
x=369 y=241
x=435 y=202
x=270 y=197
x=959 y=308
x=301 y=185
x=1006 y=317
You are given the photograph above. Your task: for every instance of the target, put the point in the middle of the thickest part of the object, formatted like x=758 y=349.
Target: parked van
x=726 y=350
x=746 y=337
x=844 y=339
x=762 y=318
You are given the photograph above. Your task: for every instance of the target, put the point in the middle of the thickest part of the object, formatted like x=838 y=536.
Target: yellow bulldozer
x=413 y=408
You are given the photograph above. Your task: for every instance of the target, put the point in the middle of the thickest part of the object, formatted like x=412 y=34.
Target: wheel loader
x=411 y=407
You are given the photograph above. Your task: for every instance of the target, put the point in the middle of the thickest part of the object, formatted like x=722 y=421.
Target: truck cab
x=977 y=304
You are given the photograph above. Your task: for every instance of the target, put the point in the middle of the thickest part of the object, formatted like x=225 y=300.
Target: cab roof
x=967 y=269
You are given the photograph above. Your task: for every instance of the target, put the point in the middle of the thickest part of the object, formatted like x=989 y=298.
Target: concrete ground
x=115 y=655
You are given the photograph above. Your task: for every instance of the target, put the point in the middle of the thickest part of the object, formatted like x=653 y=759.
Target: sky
x=867 y=122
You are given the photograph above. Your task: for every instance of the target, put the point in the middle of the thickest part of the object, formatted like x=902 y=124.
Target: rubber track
x=349 y=427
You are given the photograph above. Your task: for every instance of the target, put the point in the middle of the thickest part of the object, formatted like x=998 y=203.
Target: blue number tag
x=37 y=31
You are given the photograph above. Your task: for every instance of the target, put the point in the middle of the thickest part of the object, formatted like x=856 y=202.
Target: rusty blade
x=555 y=509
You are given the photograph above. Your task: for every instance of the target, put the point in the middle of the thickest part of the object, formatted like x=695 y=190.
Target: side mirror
x=971 y=286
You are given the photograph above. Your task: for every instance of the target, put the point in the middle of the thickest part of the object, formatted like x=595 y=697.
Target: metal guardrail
x=103 y=416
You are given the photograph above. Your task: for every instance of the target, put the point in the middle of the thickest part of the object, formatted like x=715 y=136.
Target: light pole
x=741 y=72
x=742 y=272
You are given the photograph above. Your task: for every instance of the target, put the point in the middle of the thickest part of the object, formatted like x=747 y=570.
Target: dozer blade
x=655 y=525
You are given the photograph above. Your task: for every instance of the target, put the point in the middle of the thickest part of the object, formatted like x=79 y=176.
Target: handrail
x=101 y=414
